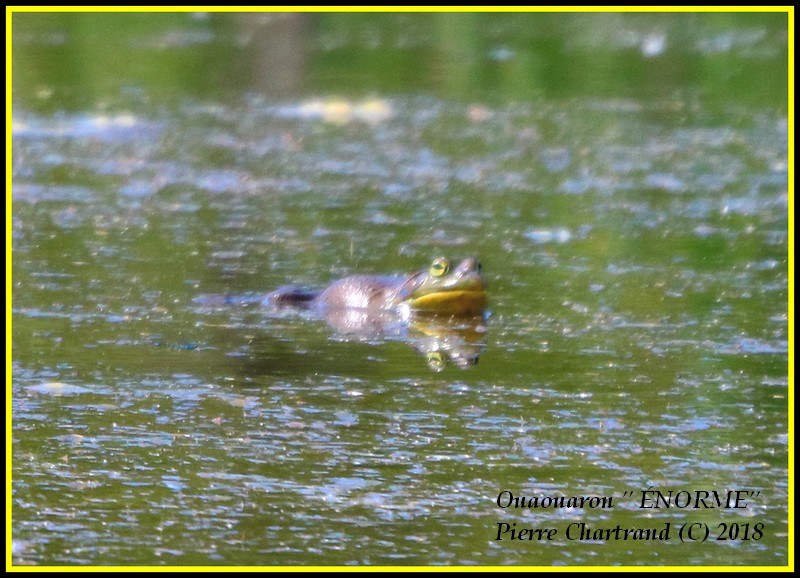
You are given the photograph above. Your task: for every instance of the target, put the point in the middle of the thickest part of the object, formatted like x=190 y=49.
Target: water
x=632 y=224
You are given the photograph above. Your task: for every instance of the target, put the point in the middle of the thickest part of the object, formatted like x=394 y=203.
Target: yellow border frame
x=789 y=10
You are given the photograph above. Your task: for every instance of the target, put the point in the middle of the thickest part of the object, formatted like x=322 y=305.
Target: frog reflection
x=442 y=341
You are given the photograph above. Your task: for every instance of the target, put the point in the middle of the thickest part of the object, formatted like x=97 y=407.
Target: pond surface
x=622 y=178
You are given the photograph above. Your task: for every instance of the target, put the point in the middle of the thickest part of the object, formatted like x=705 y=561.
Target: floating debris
x=341 y=112
x=541 y=236
x=58 y=388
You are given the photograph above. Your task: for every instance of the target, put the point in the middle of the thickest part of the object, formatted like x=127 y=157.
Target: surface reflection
x=442 y=341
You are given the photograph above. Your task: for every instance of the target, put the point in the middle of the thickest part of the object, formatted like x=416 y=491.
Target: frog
x=441 y=289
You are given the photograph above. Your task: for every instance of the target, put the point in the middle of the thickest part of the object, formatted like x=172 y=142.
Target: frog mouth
x=451 y=302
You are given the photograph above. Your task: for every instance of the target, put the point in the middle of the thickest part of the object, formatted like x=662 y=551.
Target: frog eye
x=436 y=360
x=439 y=267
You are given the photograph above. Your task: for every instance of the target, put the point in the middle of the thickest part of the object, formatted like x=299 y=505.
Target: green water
x=622 y=177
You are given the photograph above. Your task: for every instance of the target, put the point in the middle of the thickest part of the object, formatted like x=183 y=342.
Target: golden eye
x=436 y=360
x=439 y=267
